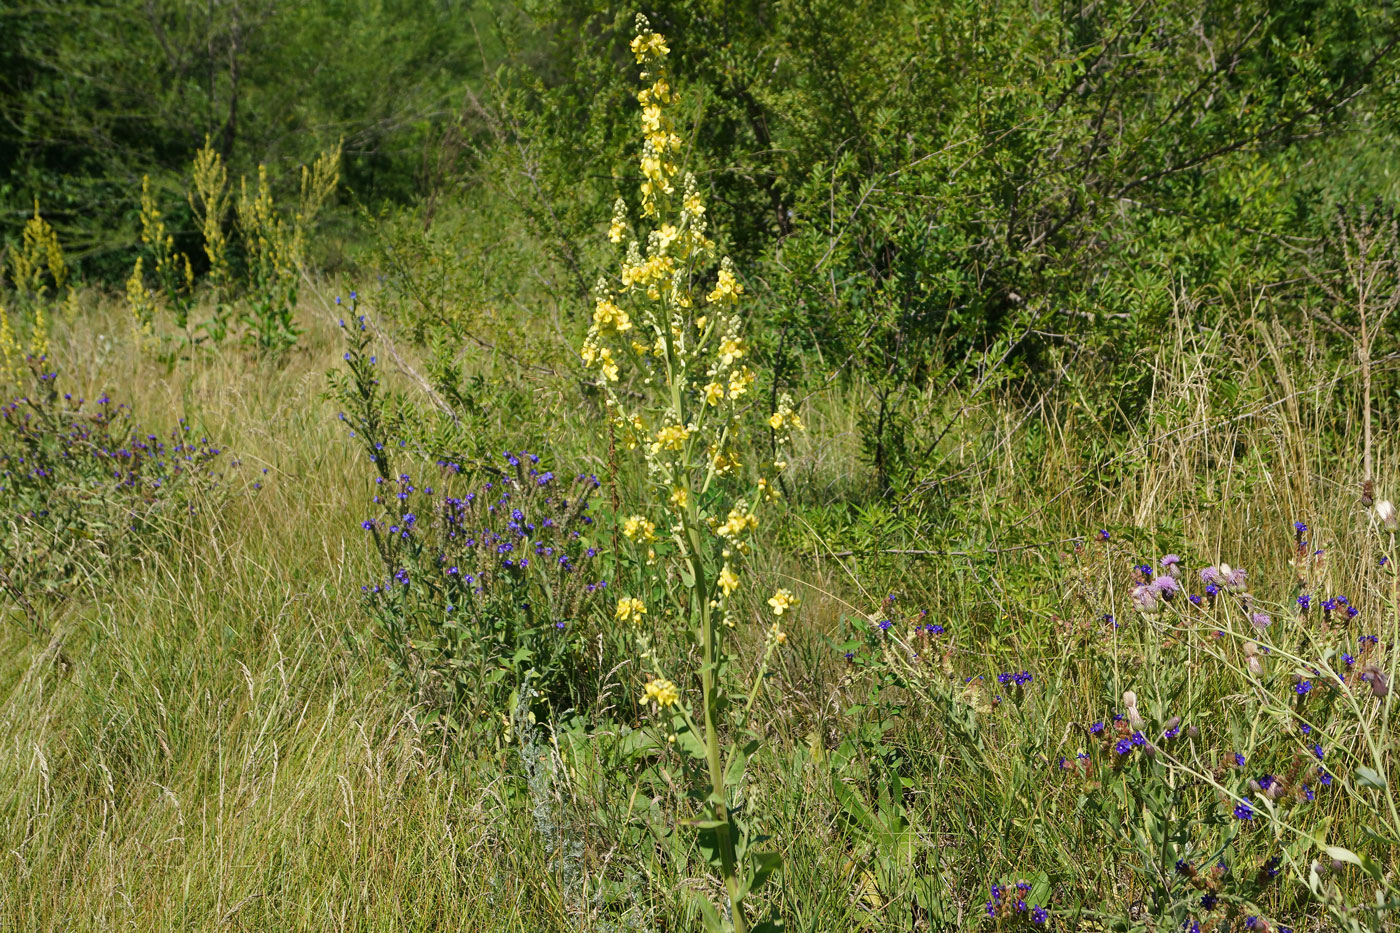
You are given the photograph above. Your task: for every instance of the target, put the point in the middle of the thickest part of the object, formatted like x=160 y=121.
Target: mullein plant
x=174 y=275
x=38 y=273
x=209 y=201
x=275 y=248
x=667 y=351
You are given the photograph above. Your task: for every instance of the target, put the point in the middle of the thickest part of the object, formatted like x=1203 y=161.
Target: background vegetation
x=1058 y=290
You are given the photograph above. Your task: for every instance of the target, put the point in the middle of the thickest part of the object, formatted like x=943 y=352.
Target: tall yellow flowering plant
x=666 y=347
x=35 y=263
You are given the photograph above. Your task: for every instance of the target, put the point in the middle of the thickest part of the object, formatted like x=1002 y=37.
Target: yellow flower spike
x=782 y=601
x=714 y=393
x=680 y=497
x=630 y=609
x=727 y=287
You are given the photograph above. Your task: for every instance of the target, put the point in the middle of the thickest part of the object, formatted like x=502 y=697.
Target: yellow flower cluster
x=9 y=349
x=663 y=692
x=38 y=251
x=671 y=437
x=593 y=354
x=170 y=265
x=609 y=318
x=728 y=580
x=782 y=601
x=727 y=288
x=785 y=419
x=142 y=304
x=630 y=609
x=637 y=528
x=740 y=521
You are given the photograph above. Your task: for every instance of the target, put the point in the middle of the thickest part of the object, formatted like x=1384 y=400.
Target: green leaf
x=708 y=914
x=1367 y=777
x=1365 y=863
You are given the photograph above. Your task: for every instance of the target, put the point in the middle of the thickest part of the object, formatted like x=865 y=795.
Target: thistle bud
x=1252 y=660
x=1380 y=685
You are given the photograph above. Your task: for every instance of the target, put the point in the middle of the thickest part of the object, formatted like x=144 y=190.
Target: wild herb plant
x=174 y=276
x=275 y=249
x=82 y=485
x=209 y=202
x=490 y=586
x=667 y=350
x=38 y=274
x=1209 y=806
x=273 y=253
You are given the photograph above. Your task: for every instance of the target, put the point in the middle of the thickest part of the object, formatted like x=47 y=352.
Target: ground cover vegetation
x=775 y=465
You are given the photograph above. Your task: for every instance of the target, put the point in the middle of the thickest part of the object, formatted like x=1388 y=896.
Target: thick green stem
x=709 y=690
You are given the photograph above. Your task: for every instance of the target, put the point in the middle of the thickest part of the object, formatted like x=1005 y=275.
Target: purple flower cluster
x=1010 y=904
x=522 y=537
x=81 y=483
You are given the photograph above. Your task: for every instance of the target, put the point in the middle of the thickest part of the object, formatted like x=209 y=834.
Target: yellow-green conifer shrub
x=667 y=349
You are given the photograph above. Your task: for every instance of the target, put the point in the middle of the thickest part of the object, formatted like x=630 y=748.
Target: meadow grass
x=213 y=741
